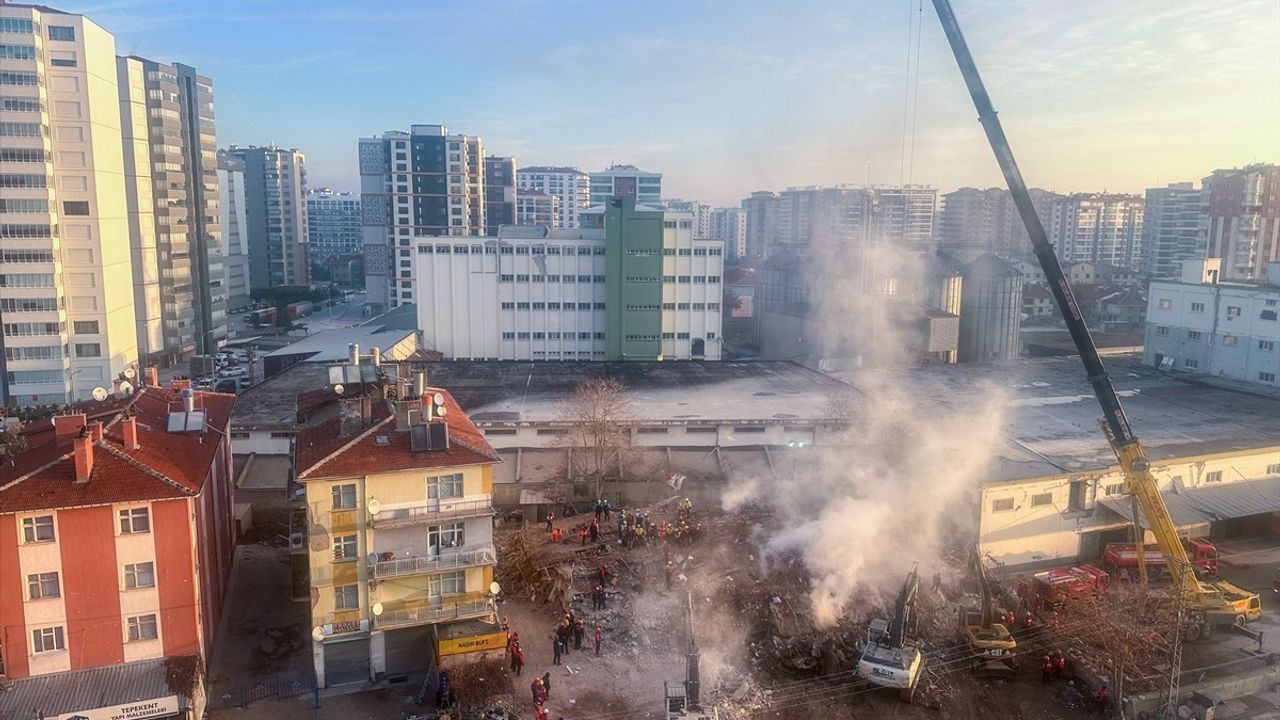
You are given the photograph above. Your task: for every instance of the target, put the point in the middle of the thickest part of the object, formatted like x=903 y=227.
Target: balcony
x=439 y=563
x=446 y=510
x=401 y=617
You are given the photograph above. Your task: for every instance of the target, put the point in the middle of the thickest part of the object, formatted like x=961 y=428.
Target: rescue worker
x=546 y=684
x=539 y=693
x=1046 y=670
x=539 y=712
x=599 y=637
x=1027 y=620
x=1010 y=620
x=551 y=517
x=578 y=629
x=670 y=571
x=595 y=530
x=557 y=647
x=583 y=534
x=1059 y=666
x=517 y=659
x=506 y=630
x=1101 y=700
x=599 y=598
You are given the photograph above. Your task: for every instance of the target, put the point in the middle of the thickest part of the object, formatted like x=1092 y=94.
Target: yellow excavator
x=1205 y=606
x=992 y=648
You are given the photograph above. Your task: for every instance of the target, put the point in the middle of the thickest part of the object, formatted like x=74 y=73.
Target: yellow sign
x=473 y=643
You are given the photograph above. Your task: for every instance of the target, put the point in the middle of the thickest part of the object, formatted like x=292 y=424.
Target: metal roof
x=1195 y=506
x=81 y=690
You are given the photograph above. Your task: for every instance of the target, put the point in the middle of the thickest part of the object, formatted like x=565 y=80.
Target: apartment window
x=37 y=529
x=553 y=306
x=522 y=250
x=1233 y=311
x=452 y=535
x=135 y=520
x=85 y=327
x=684 y=279
x=600 y=336
x=444 y=486
x=682 y=306
x=1194 y=335
x=508 y=336
x=584 y=336
x=713 y=279
x=1041 y=499
x=344 y=497
x=18 y=52
x=1273 y=469
x=539 y=306
x=62 y=58
x=10 y=77
x=142 y=627
x=711 y=336
x=43 y=585
x=344 y=548
x=450 y=583
x=668 y=278
x=1228 y=340
x=597 y=306
x=88 y=350
x=1166 y=304
x=522 y=278
x=713 y=306
x=1190 y=363
x=1214 y=476
x=539 y=336
x=346 y=597
x=1162 y=329
x=508 y=306
x=1266 y=345
x=522 y=336
x=1114 y=489
x=62 y=32
x=139 y=575
x=506 y=278
x=1002 y=505
x=45 y=640
x=1266 y=377
x=1267 y=315
x=1197 y=307
x=600 y=278
x=522 y=306
x=668 y=336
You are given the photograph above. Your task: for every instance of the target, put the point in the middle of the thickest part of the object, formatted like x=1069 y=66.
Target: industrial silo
x=990 y=310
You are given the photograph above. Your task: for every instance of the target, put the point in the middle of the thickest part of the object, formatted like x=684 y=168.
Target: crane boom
x=1133 y=462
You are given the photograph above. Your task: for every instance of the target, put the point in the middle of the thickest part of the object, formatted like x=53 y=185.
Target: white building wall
x=131 y=77
x=571 y=187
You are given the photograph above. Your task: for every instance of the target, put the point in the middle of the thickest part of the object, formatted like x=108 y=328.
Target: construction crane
x=991 y=644
x=1199 y=606
x=889 y=659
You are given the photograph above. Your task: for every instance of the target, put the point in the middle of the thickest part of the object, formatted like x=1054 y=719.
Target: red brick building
x=116 y=533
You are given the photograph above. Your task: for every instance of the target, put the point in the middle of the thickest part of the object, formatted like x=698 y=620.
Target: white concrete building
x=276 y=229
x=231 y=205
x=701 y=215
x=66 y=279
x=535 y=207
x=729 y=225
x=570 y=186
x=1199 y=324
x=646 y=187
x=1098 y=228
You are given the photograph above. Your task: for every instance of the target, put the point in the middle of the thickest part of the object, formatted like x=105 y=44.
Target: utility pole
x=692 y=684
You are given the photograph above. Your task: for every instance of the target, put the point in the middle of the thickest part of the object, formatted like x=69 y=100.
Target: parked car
x=203 y=383
x=232 y=372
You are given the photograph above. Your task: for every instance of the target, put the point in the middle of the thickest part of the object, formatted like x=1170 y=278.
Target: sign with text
x=473 y=643
x=141 y=710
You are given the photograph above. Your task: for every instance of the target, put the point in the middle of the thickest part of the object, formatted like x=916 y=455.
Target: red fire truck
x=1122 y=558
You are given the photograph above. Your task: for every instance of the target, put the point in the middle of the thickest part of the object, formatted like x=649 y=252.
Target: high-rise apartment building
x=66 y=279
x=973 y=222
x=499 y=193
x=1098 y=228
x=1244 y=220
x=276 y=231
x=701 y=213
x=729 y=225
x=626 y=180
x=568 y=185
x=422 y=183
x=234 y=240
x=1172 y=228
x=534 y=207
x=761 y=212
x=333 y=224
x=905 y=217
x=166 y=114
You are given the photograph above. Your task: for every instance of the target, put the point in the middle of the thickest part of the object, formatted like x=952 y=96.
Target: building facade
x=1243 y=207
x=972 y=222
x=1172 y=229
x=234 y=221
x=729 y=225
x=645 y=187
x=399 y=506
x=570 y=186
x=333 y=224
x=499 y=193
x=276 y=230
x=1200 y=324
x=535 y=207
x=701 y=213
x=1099 y=228
x=639 y=286
x=760 y=212
x=422 y=183
x=66 y=279
x=175 y=224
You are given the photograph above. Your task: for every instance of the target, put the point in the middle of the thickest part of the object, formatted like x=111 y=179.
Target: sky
x=725 y=97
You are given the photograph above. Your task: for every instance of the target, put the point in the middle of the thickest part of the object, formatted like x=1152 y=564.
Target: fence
x=278 y=687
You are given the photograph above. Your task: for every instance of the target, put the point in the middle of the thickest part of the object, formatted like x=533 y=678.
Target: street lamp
x=71 y=390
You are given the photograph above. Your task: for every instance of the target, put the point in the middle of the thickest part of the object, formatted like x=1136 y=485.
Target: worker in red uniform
x=1027 y=620
x=539 y=692
x=1046 y=669
x=599 y=637
x=582 y=534
x=1102 y=700
x=1059 y=665
x=517 y=658
x=670 y=570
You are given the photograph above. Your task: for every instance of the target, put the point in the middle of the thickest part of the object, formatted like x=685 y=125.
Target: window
x=344 y=548
x=139 y=575
x=346 y=597
x=1041 y=499
x=62 y=32
x=135 y=520
x=508 y=336
x=1267 y=377
x=75 y=207
x=1233 y=311
x=447 y=536
x=1162 y=329
x=450 y=583
x=1273 y=469
x=444 y=486
x=142 y=627
x=1267 y=315
x=37 y=529
x=1190 y=363
x=1166 y=304
x=344 y=497
x=508 y=306
x=47 y=640
x=1228 y=340
x=1266 y=345
x=1197 y=307
x=1079 y=494
x=88 y=350
x=85 y=327
x=62 y=58
x=1114 y=489
x=1002 y=505
x=1193 y=335
x=1214 y=476
x=43 y=585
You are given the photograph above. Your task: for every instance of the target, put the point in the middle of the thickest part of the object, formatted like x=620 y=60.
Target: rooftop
x=541 y=232
x=66 y=693
x=401 y=317
x=331 y=345
x=551 y=169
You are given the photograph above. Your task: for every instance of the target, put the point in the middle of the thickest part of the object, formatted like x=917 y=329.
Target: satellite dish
x=130 y=372
x=317 y=633
x=374 y=506
x=125 y=389
x=438 y=399
x=339 y=389
x=494 y=588
x=99 y=394
x=377 y=609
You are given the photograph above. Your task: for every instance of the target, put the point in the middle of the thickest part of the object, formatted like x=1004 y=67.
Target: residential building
x=276 y=229
x=729 y=225
x=1031 y=271
x=499 y=193
x=66 y=277
x=1098 y=228
x=1203 y=324
x=973 y=222
x=117 y=531
x=231 y=205
x=905 y=217
x=701 y=213
x=175 y=225
x=761 y=217
x=344 y=270
x=399 y=502
x=570 y=186
x=1173 y=228
x=422 y=183
x=1244 y=220
x=627 y=180
x=631 y=284
x=333 y=224
x=535 y=207
x=1037 y=301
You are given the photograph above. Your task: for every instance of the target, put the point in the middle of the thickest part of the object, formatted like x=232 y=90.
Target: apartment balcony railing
x=392 y=618
x=446 y=510
x=438 y=563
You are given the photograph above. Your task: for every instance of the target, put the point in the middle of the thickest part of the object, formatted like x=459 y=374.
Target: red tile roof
x=166 y=465
x=321 y=453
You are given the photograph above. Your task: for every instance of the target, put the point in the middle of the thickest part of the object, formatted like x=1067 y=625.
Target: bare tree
x=12 y=443
x=599 y=416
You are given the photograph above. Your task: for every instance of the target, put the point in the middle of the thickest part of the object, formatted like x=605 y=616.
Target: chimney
x=95 y=430
x=151 y=376
x=181 y=384
x=376 y=355
x=188 y=399
x=66 y=426
x=353 y=353
x=84 y=456
x=129 y=429
x=419 y=384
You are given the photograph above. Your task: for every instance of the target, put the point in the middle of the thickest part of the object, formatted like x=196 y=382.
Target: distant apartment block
x=905 y=216
x=570 y=187
x=333 y=224
x=760 y=214
x=66 y=279
x=1173 y=229
x=275 y=185
x=729 y=225
x=423 y=183
x=701 y=213
x=1202 y=324
x=535 y=207
x=1244 y=220
x=626 y=180
x=972 y=222
x=499 y=193
x=1098 y=228
x=231 y=207
x=632 y=284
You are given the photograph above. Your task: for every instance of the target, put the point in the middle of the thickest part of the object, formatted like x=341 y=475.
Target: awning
x=130 y=690
x=1200 y=505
